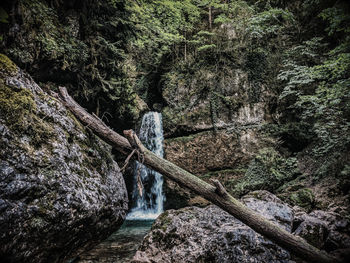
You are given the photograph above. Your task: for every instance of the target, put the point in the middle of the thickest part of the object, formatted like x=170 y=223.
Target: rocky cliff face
x=209 y=234
x=60 y=190
x=212 y=127
x=207 y=100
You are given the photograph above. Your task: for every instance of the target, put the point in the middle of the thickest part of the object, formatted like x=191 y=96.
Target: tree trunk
x=216 y=194
x=185 y=49
x=210 y=16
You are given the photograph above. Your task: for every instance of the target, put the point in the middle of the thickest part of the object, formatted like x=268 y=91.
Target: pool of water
x=121 y=246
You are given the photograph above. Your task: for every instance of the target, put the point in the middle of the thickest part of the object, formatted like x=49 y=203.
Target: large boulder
x=60 y=190
x=209 y=234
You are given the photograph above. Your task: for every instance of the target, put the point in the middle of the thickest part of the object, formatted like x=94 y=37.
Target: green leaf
x=3 y=16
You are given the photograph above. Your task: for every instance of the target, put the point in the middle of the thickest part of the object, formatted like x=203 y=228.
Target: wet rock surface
x=60 y=190
x=210 y=234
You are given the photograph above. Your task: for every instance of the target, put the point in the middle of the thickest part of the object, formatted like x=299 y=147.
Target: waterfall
x=150 y=204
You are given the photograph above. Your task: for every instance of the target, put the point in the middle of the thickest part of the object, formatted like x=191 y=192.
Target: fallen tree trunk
x=216 y=194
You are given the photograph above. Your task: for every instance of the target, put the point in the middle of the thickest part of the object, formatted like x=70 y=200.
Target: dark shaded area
x=77 y=44
x=120 y=247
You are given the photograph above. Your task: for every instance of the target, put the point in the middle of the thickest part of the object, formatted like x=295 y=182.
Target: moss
x=269 y=170
x=40 y=131
x=15 y=104
x=19 y=108
x=303 y=198
x=7 y=67
x=164 y=221
x=294 y=185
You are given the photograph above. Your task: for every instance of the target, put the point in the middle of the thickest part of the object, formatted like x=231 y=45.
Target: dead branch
x=216 y=194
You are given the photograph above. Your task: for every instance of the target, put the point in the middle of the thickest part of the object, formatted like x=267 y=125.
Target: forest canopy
x=118 y=58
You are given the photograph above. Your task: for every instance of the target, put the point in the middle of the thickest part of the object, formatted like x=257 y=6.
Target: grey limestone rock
x=60 y=190
x=210 y=234
x=324 y=229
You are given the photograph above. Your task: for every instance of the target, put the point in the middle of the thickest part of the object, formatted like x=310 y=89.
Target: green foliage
x=52 y=40
x=316 y=89
x=85 y=51
x=239 y=12
x=256 y=64
x=303 y=198
x=159 y=25
x=105 y=51
x=338 y=20
x=206 y=47
x=268 y=171
x=269 y=23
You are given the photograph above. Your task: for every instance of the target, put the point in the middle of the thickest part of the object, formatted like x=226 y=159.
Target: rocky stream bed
x=209 y=234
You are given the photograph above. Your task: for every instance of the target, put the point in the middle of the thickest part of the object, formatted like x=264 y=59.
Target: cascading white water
x=150 y=204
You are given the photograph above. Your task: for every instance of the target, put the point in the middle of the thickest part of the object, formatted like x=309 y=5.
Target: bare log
x=96 y=125
x=216 y=194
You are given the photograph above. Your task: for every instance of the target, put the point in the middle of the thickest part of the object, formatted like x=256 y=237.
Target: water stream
x=148 y=198
x=121 y=246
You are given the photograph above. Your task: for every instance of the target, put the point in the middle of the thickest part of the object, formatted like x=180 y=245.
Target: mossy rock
x=164 y=220
x=15 y=103
x=296 y=192
x=294 y=185
x=269 y=170
x=7 y=67
x=19 y=109
x=303 y=198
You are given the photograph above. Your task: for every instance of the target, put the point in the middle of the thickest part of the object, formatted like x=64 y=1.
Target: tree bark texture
x=216 y=194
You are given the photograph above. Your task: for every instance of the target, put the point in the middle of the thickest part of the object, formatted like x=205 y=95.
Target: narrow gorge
x=250 y=98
